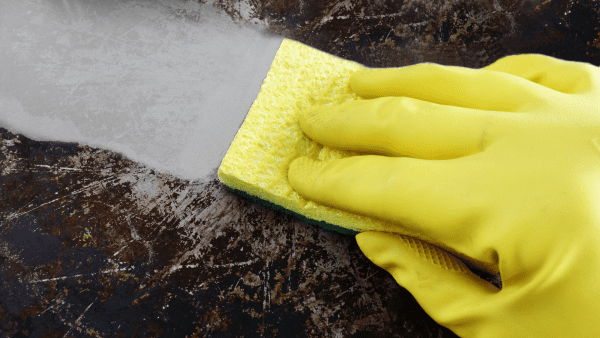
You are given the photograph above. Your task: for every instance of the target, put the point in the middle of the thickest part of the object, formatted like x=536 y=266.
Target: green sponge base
x=268 y=204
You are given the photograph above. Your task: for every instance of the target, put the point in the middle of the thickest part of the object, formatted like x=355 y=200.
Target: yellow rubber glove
x=499 y=166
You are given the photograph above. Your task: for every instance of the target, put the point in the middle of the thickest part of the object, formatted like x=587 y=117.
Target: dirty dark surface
x=93 y=244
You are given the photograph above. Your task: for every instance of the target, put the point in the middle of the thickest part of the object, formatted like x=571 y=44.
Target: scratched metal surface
x=94 y=244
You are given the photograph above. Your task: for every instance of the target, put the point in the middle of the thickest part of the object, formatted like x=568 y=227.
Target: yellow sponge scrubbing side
x=270 y=138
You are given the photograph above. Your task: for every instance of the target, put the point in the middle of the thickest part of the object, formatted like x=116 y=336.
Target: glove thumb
x=444 y=287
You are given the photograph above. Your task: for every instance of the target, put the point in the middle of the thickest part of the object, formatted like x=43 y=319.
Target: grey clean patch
x=166 y=83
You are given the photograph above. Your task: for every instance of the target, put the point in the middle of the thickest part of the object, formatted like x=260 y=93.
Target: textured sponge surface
x=270 y=137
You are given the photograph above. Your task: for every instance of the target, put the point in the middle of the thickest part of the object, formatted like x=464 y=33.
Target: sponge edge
x=257 y=162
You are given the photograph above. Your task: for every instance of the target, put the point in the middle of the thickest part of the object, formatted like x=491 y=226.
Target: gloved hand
x=499 y=166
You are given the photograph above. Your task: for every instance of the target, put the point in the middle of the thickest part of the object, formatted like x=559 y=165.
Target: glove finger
x=567 y=77
x=396 y=126
x=450 y=85
x=434 y=200
x=451 y=294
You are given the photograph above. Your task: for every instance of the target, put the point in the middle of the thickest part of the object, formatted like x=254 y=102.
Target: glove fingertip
x=377 y=246
x=302 y=174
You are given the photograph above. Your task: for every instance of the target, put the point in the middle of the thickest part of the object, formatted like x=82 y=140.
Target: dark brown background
x=92 y=244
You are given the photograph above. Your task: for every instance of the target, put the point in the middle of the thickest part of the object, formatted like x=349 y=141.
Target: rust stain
x=396 y=34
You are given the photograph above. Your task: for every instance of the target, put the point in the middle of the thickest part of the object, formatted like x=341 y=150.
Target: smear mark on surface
x=108 y=246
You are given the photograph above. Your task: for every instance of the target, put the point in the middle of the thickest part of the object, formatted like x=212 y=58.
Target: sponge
x=270 y=138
